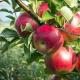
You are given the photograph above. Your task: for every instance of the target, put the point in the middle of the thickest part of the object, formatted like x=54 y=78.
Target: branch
x=24 y=6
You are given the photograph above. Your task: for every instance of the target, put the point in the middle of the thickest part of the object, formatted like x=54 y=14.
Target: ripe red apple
x=22 y=21
x=68 y=36
x=43 y=7
x=78 y=62
x=76 y=20
x=47 y=38
x=74 y=26
x=63 y=60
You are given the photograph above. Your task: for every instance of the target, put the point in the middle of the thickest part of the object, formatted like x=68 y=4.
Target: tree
x=41 y=36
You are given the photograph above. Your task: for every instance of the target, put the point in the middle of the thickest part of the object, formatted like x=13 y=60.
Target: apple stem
x=24 y=6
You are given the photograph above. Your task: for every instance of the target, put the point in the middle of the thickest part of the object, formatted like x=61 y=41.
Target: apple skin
x=74 y=26
x=64 y=60
x=43 y=7
x=78 y=62
x=68 y=36
x=22 y=20
x=47 y=39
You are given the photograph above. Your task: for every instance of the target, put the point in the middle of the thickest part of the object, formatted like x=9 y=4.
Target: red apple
x=76 y=20
x=74 y=26
x=47 y=38
x=43 y=8
x=68 y=36
x=63 y=60
x=78 y=62
x=22 y=21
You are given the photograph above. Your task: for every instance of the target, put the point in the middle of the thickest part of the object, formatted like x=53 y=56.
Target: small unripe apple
x=21 y=24
x=43 y=7
x=47 y=39
x=78 y=62
x=63 y=60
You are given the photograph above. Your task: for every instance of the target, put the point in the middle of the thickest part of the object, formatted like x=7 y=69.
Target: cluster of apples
x=49 y=40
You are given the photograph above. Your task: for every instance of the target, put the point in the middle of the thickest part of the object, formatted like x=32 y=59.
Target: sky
x=3 y=14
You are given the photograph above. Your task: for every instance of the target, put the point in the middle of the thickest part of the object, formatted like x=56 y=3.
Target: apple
x=68 y=36
x=74 y=26
x=63 y=60
x=47 y=38
x=21 y=23
x=76 y=19
x=43 y=7
x=78 y=62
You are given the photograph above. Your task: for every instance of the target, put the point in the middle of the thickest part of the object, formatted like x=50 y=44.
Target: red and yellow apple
x=21 y=24
x=64 y=60
x=47 y=38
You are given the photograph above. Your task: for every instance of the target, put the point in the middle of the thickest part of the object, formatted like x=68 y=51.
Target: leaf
x=27 y=40
x=35 y=56
x=8 y=33
x=5 y=47
x=6 y=10
x=14 y=4
x=47 y=16
x=72 y=3
x=30 y=38
x=3 y=39
x=66 y=12
x=15 y=42
x=7 y=1
x=12 y=22
x=10 y=17
x=17 y=9
x=27 y=52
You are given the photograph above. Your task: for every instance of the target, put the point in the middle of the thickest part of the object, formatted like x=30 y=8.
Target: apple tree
x=42 y=42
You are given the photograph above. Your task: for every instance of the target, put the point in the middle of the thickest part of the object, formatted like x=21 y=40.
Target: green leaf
x=35 y=56
x=66 y=12
x=10 y=17
x=8 y=33
x=27 y=52
x=47 y=16
x=72 y=3
x=5 y=47
x=14 y=4
x=28 y=40
x=7 y=1
x=28 y=27
x=3 y=39
x=6 y=10
x=17 y=9
x=12 y=22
